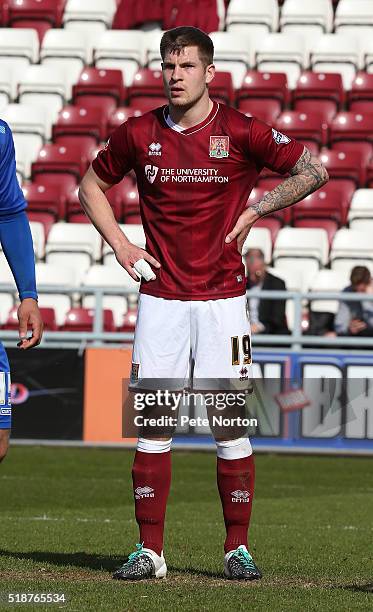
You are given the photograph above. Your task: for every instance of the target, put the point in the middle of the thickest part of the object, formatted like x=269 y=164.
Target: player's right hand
x=128 y=254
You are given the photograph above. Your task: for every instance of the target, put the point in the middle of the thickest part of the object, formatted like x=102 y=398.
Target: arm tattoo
x=307 y=175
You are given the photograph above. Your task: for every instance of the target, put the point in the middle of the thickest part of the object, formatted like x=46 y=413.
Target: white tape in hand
x=143 y=269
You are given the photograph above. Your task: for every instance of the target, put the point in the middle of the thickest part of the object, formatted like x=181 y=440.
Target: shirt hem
x=195 y=296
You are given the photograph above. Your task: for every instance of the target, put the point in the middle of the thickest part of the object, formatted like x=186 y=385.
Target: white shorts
x=191 y=344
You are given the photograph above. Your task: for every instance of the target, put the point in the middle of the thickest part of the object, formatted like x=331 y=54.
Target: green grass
x=66 y=521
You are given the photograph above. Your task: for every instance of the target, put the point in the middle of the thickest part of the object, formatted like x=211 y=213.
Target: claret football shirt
x=193 y=185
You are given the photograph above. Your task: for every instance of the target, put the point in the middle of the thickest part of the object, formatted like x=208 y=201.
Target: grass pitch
x=66 y=522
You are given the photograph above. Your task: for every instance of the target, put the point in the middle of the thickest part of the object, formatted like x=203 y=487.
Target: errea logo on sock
x=240 y=496
x=141 y=492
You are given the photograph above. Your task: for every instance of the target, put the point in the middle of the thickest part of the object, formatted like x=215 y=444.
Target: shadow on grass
x=358 y=588
x=84 y=560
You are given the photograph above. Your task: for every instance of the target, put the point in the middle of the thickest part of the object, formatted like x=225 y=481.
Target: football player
x=196 y=162
x=16 y=241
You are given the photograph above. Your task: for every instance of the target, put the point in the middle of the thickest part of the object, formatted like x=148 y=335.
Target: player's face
x=185 y=77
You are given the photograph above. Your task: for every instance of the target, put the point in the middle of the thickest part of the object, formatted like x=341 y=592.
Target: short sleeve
x=114 y=161
x=273 y=149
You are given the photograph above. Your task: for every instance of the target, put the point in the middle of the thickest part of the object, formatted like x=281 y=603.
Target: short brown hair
x=186 y=36
x=360 y=274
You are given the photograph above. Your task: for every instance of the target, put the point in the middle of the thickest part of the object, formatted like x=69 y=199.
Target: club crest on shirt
x=151 y=172
x=219 y=146
x=280 y=138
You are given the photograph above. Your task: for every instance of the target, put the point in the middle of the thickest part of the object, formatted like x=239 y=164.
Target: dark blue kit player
x=16 y=242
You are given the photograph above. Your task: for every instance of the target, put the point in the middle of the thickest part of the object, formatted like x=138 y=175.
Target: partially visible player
x=196 y=162
x=16 y=241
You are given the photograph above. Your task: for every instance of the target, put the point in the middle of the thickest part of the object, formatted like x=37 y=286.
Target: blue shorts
x=5 y=406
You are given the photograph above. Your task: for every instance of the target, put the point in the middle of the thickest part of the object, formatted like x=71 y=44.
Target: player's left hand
x=242 y=228
x=29 y=316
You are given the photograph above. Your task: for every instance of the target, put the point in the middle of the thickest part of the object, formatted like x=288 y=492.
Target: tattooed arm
x=307 y=176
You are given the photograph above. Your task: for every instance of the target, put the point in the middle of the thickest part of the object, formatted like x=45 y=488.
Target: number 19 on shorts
x=241 y=345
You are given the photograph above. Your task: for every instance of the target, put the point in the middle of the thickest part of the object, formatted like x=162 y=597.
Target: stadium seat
x=301 y=248
x=152 y=41
x=74 y=211
x=47 y=314
x=221 y=88
x=45 y=87
x=67 y=49
x=322 y=311
x=50 y=11
x=285 y=53
x=325 y=203
x=232 y=53
x=369 y=174
x=360 y=216
x=8 y=83
x=265 y=109
x=318 y=14
x=119 y=116
x=92 y=17
x=129 y=321
x=73 y=242
x=62 y=159
x=319 y=91
x=38 y=239
x=45 y=219
x=6 y=304
x=146 y=91
x=283 y=217
x=337 y=53
x=246 y=14
x=122 y=50
x=259 y=238
x=81 y=319
x=309 y=128
x=80 y=121
x=354 y=17
x=113 y=277
x=351 y=248
x=131 y=14
x=265 y=85
x=6 y=277
x=349 y=127
x=360 y=96
x=99 y=87
x=347 y=166
x=55 y=277
x=19 y=47
x=40 y=26
x=134 y=233
x=11 y=321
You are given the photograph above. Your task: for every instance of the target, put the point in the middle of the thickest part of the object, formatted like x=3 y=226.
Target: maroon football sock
x=151 y=476
x=236 y=478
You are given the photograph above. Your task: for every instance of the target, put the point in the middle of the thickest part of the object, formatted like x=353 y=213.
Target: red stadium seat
x=282 y=216
x=353 y=126
x=80 y=121
x=48 y=316
x=146 y=91
x=66 y=159
x=266 y=110
x=50 y=11
x=81 y=319
x=44 y=198
x=360 y=97
x=133 y=218
x=100 y=87
x=307 y=127
x=348 y=166
x=46 y=219
x=325 y=203
x=129 y=321
x=130 y=198
x=323 y=91
x=261 y=85
x=119 y=116
x=221 y=88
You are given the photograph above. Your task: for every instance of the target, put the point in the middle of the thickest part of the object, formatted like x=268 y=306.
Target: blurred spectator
x=266 y=316
x=356 y=318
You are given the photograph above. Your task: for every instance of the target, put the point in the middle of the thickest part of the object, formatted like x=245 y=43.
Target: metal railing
x=295 y=341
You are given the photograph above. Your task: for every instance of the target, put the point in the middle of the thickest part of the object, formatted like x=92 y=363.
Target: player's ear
x=210 y=73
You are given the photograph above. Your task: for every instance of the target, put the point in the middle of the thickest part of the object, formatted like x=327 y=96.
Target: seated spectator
x=356 y=318
x=266 y=316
